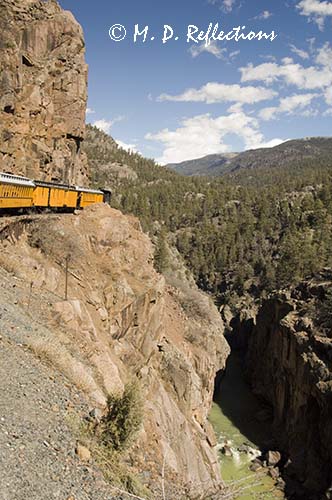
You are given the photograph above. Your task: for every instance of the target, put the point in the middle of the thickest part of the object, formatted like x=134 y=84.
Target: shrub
x=161 y=254
x=123 y=418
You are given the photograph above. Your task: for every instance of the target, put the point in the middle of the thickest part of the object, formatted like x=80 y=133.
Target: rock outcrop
x=43 y=91
x=122 y=320
x=289 y=364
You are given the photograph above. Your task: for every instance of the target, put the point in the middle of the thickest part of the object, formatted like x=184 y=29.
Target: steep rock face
x=289 y=364
x=121 y=320
x=43 y=91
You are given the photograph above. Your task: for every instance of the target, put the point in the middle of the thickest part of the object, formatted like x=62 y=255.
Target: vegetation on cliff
x=123 y=418
x=251 y=232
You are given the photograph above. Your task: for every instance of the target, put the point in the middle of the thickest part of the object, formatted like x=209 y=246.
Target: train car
x=88 y=197
x=65 y=197
x=54 y=195
x=20 y=193
x=15 y=192
x=41 y=194
x=107 y=195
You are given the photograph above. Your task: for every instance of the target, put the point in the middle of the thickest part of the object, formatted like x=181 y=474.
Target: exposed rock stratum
x=122 y=320
x=43 y=91
x=288 y=360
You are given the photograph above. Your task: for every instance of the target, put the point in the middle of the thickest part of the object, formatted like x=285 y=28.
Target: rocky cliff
x=122 y=320
x=289 y=364
x=43 y=91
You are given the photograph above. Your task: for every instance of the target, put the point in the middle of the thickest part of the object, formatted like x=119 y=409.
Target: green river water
x=233 y=418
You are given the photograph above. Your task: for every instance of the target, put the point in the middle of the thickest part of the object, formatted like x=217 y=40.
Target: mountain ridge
x=287 y=153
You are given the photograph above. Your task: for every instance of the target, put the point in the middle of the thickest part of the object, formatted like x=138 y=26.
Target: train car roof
x=25 y=181
x=16 y=179
x=87 y=190
x=55 y=185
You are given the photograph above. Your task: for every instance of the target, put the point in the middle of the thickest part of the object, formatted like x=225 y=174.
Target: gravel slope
x=37 y=447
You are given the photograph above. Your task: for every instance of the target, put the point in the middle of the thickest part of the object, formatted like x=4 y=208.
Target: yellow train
x=20 y=193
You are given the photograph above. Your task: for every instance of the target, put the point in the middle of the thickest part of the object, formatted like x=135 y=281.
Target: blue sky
x=179 y=100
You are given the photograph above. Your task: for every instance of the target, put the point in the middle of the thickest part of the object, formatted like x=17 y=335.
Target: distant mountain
x=288 y=153
x=208 y=165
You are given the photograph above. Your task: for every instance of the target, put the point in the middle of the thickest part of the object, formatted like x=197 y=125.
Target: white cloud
x=309 y=113
x=309 y=78
x=268 y=57
x=213 y=48
x=264 y=15
x=328 y=96
x=127 y=147
x=316 y=10
x=225 y=5
x=228 y=5
x=235 y=108
x=311 y=41
x=299 y=52
x=268 y=113
x=233 y=54
x=273 y=143
x=324 y=55
x=106 y=125
x=202 y=135
x=287 y=60
x=317 y=77
x=295 y=103
x=90 y=111
x=214 y=92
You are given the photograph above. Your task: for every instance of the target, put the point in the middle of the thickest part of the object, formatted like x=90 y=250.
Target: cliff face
x=122 y=320
x=289 y=364
x=43 y=91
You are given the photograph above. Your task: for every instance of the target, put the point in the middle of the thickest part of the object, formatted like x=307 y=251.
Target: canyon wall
x=43 y=91
x=289 y=365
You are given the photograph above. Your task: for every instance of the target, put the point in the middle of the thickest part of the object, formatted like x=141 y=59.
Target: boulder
x=227 y=451
x=272 y=457
x=83 y=453
x=256 y=466
x=274 y=472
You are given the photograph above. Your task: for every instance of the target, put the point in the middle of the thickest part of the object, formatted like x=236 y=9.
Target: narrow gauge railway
x=21 y=194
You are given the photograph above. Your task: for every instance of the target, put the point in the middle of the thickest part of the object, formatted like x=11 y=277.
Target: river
x=234 y=418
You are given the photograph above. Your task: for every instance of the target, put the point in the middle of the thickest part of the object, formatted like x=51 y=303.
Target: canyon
x=123 y=320
x=287 y=356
